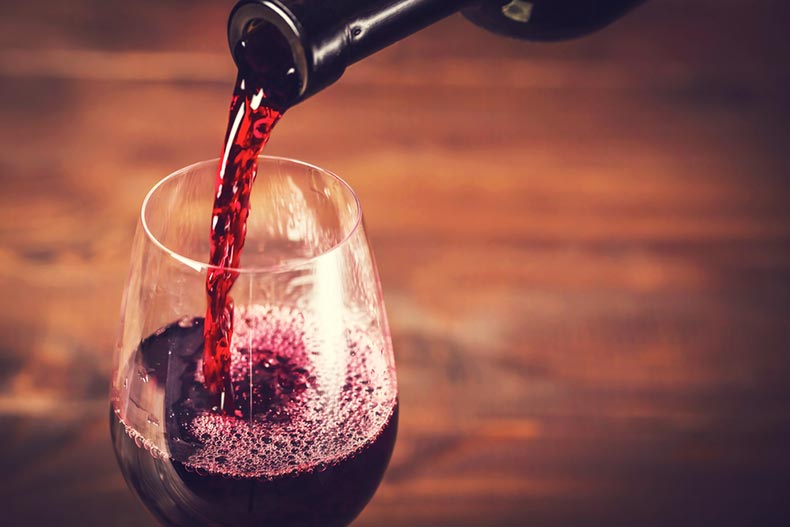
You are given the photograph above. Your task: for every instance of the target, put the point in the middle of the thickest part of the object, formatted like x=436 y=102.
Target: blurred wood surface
x=584 y=248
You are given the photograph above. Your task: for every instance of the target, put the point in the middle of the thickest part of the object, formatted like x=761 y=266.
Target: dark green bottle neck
x=326 y=36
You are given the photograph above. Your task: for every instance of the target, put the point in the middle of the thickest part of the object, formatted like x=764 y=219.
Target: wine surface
x=307 y=445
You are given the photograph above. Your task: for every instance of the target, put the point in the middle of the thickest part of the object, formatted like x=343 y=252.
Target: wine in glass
x=312 y=372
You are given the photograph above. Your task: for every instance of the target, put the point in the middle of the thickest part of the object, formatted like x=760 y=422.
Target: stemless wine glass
x=312 y=368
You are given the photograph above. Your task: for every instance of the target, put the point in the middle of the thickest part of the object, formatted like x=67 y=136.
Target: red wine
x=251 y=123
x=255 y=108
x=308 y=444
x=253 y=415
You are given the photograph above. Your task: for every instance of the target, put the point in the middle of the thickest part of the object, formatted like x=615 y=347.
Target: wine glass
x=312 y=368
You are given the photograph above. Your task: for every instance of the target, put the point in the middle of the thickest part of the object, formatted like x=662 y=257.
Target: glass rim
x=201 y=266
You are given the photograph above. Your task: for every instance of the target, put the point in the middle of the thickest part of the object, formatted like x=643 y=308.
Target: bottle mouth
x=265 y=43
x=294 y=47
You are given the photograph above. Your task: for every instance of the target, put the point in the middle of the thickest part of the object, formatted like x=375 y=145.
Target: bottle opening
x=265 y=45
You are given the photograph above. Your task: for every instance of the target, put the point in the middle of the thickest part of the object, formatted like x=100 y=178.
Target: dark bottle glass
x=326 y=36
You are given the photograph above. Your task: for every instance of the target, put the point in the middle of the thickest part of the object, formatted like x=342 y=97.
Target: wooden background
x=584 y=247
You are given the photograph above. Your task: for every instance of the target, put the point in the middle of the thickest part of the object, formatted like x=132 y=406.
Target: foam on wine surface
x=314 y=399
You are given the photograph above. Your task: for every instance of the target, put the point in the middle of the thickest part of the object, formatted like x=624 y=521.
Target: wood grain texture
x=584 y=248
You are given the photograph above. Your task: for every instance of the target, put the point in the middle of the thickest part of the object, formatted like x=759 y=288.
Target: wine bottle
x=326 y=36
